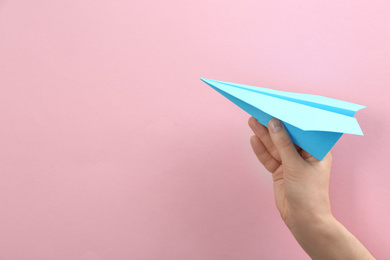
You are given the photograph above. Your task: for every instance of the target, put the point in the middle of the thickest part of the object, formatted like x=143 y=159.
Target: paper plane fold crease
x=315 y=123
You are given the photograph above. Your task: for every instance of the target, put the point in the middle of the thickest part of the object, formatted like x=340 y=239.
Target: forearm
x=326 y=238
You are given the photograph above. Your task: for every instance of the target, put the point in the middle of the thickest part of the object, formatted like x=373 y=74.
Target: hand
x=301 y=188
x=301 y=182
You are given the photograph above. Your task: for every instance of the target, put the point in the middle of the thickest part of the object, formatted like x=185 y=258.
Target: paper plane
x=315 y=123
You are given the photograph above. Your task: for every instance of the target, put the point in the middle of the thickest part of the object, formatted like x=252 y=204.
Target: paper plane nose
x=207 y=81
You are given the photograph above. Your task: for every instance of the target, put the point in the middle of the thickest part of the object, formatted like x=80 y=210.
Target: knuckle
x=274 y=152
x=269 y=165
x=284 y=142
x=262 y=134
x=250 y=121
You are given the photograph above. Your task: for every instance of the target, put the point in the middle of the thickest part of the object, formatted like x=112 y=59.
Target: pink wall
x=112 y=148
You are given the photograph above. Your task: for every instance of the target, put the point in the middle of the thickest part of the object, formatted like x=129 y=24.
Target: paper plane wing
x=315 y=123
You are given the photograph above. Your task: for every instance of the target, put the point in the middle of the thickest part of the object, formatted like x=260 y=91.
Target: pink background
x=112 y=148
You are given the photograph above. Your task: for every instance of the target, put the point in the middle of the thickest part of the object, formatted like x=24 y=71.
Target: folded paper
x=315 y=123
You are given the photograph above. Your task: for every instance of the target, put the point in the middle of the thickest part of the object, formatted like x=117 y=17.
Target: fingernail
x=276 y=125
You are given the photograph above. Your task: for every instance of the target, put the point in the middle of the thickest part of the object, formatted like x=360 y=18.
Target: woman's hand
x=301 y=188
x=301 y=182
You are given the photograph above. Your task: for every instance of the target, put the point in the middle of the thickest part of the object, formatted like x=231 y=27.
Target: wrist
x=317 y=234
x=310 y=222
x=322 y=236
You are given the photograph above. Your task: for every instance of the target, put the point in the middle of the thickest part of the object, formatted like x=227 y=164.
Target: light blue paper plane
x=315 y=123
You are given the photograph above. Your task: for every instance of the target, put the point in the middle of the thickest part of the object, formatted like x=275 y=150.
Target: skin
x=301 y=189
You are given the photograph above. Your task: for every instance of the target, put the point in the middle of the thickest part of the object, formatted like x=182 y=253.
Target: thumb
x=283 y=143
